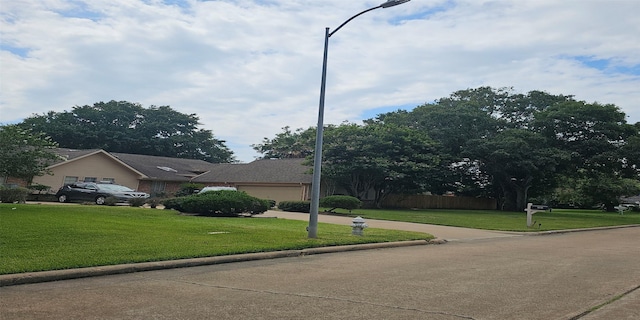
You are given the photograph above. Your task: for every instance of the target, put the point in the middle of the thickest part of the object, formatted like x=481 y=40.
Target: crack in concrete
x=326 y=298
x=612 y=300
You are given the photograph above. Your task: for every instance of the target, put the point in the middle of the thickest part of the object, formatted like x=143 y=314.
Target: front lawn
x=557 y=219
x=37 y=237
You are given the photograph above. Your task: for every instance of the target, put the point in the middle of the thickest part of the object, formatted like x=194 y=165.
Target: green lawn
x=558 y=219
x=49 y=237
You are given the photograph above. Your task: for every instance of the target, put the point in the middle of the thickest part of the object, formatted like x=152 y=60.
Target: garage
x=277 y=193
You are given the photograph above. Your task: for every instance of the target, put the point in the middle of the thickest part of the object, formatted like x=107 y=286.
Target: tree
x=484 y=142
x=377 y=157
x=604 y=148
x=486 y=139
x=516 y=159
x=288 y=144
x=25 y=154
x=120 y=126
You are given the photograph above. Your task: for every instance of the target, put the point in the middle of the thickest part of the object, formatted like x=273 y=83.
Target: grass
x=51 y=237
x=558 y=219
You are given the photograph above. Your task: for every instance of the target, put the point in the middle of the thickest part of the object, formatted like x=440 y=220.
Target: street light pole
x=312 y=229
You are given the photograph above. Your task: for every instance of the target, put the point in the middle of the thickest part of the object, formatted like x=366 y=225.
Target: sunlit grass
x=557 y=219
x=49 y=237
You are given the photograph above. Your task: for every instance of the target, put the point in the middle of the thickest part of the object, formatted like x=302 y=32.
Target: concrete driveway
x=509 y=276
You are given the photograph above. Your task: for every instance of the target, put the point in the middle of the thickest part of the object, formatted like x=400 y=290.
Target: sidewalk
x=440 y=232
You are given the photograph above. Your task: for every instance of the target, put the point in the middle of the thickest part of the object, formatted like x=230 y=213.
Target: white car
x=207 y=189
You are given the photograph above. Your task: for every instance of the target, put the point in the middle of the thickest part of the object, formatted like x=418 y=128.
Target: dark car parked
x=97 y=192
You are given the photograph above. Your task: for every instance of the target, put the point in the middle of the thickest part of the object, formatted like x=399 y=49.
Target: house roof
x=164 y=168
x=633 y=199
x=200 y=171
x=70 y=155
x=259 y=171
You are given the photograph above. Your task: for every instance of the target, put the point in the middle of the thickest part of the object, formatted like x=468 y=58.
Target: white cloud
x=249 y=68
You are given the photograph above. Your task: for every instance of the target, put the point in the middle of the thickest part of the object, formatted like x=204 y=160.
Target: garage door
x=278 y=194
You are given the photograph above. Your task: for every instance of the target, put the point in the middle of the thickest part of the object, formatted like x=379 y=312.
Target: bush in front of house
x=295 y=206
x=342 y=202
x=223 y=203
x=110 y=201
x=137 y=202
x=11 y=195
x=153 y=202
x=187 y=189
x=173 y=204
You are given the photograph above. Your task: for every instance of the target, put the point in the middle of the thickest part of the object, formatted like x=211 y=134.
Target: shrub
x=219 y=203
x=40 y=188
x=110 y=201
x=136 y=202
x=295 y=206
x=11 y=195
x=154 y=202
x=173 y=203
x=343 y=202
x=187 y=189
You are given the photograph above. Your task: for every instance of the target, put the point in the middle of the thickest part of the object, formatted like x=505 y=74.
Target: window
x=109 y=180
x=157 y=186
x=70 y=180
x=90 y=179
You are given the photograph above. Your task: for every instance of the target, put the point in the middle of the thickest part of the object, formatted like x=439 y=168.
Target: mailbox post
x=531 y=210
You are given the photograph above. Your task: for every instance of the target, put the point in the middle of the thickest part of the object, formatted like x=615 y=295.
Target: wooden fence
x=438 y=202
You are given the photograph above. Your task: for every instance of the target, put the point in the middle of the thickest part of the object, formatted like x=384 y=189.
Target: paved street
x=558 y=276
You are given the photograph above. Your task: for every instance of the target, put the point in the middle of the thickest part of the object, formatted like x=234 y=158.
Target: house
x=163 y=175
x=633 y=200
x=279 y=180
x=273 y=179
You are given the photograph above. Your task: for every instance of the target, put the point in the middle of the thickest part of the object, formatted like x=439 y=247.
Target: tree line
x=120 y=126
x=482 y=142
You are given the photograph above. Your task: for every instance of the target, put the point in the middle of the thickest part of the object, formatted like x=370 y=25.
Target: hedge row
x=342 y=202
x=11 y=195
x=219 y=203
x=295 y=206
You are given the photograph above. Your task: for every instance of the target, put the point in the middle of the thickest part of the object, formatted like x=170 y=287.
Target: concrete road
x=560 y=276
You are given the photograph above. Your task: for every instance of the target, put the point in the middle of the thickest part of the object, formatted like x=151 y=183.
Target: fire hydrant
x=357 y=226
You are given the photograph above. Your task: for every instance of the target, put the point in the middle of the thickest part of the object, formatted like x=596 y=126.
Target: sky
x=248 y=68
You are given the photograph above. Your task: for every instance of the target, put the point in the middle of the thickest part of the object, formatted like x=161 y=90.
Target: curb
x=67 y=274
x=551 y=232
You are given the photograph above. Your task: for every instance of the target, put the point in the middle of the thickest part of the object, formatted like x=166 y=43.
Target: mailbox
x=539 y=207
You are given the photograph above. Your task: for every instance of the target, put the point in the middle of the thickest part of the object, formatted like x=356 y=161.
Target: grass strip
x=53 y=237
x=557 y=219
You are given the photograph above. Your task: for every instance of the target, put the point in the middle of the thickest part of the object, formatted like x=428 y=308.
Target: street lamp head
x=391 y=3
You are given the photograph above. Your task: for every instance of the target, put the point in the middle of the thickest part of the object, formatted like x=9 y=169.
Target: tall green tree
x=516 y=159
x=378 y=158
x=120 y=126
x=478 y=133
x=489 y=142
x=288 y=144
x=25 y=154
x=604 y=149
